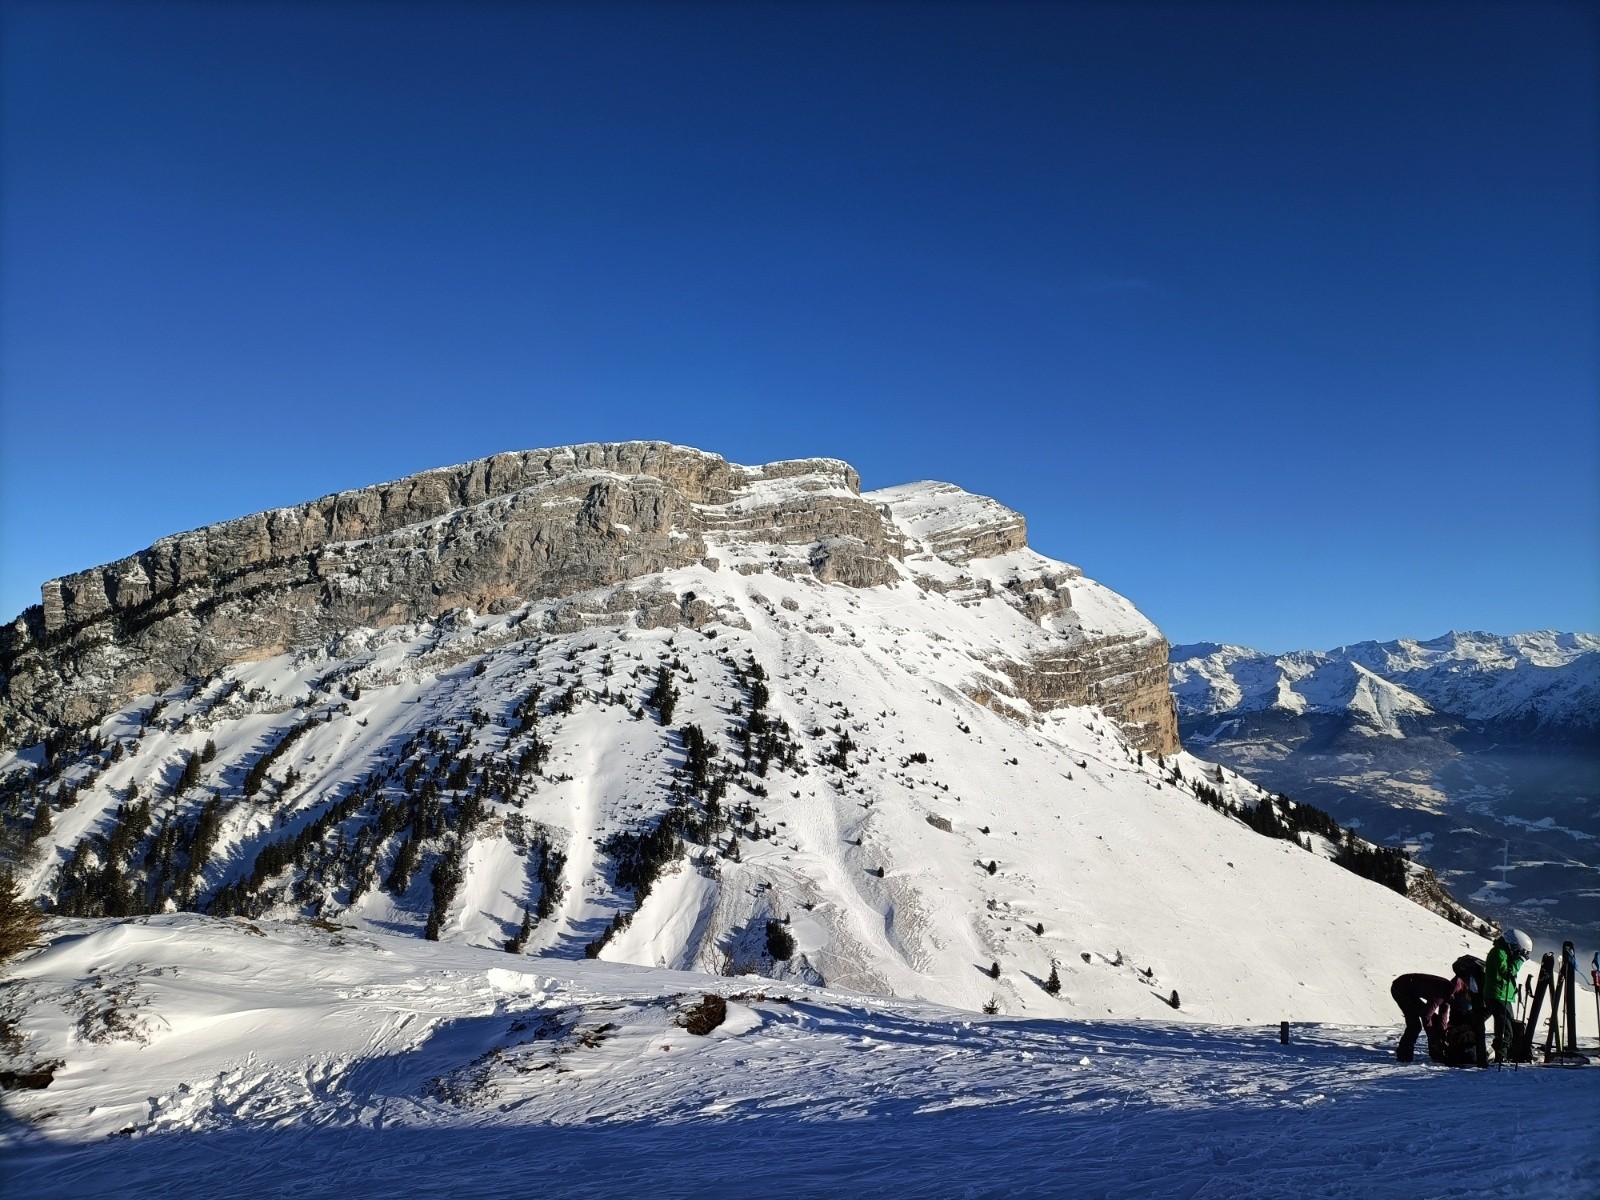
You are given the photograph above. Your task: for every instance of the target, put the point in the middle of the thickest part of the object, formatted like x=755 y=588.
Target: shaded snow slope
x=222 y=1058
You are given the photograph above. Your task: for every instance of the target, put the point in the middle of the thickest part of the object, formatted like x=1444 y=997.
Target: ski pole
x=1594 y=976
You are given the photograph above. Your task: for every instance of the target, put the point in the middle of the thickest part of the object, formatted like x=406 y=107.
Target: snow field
x=274 y=1059
x=345 y=1055
x=965 y=829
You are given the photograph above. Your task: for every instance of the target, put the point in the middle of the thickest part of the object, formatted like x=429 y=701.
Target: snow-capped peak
x=1543 y=678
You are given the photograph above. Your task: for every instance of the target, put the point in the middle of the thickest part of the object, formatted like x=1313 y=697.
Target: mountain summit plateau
x=554 y=524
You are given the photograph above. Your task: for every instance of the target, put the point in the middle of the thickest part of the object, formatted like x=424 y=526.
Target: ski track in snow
x=303 y=1063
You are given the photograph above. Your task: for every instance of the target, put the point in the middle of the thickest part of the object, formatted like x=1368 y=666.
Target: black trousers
x=1415 y=994
x=1504 y=1033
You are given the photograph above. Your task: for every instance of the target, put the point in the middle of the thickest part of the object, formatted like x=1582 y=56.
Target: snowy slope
x=1139 y=888
x=865 y=765
x=196 y=1056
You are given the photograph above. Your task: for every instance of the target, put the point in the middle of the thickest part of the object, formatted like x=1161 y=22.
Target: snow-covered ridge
x=951 y=523
x=1542 y=678
x=901 y=811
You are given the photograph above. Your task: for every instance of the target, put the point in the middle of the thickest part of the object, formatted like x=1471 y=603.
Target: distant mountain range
x=1530 y=686
x=1480 y=750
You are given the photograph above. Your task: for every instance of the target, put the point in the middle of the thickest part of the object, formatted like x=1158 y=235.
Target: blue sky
x=1282 y=320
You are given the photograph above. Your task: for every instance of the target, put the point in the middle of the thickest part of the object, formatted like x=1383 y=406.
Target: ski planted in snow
x=1561 y=1044
x=1523 y=1050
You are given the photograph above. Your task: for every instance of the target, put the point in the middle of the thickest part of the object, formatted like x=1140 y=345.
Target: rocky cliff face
x=1096 y=648
x=547 y=524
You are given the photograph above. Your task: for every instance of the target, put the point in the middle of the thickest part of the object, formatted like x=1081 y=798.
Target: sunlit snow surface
x=1102 y=862
x=202 y=1057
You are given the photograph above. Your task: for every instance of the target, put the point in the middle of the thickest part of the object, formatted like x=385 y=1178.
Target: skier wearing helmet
x=1511 y=949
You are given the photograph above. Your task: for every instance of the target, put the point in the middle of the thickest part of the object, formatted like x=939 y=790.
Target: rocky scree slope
x=636 y=703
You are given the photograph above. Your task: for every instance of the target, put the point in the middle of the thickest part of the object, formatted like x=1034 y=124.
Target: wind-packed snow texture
x=1479 y=752
x=197 y=1056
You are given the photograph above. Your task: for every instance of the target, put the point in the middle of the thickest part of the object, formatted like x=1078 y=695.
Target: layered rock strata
x=543 y=525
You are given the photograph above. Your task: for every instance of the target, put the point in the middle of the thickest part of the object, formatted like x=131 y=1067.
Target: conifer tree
x=524 y=932
x=663 y=697
x=780 y=942
x=1053 y=984
x=21 y=922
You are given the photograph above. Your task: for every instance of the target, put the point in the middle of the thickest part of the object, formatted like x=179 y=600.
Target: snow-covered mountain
x=1482 y=751
x=638 y=703
x=1543 y=685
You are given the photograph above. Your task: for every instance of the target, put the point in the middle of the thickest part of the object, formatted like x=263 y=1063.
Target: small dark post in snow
x=1283 y=1032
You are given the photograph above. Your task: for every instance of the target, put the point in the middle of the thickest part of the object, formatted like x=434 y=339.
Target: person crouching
x=1450 y=1011
x=1419 y=996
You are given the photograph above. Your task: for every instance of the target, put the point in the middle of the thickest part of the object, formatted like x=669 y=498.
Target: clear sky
x=1283 y=320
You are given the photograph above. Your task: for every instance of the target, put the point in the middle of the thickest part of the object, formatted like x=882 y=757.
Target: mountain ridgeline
x=1482 y=751
x=635 y=702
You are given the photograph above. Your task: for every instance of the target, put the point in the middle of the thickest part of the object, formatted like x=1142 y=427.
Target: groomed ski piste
x=197 y=1056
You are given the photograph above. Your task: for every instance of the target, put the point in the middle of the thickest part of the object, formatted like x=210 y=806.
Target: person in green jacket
x=1511 y=949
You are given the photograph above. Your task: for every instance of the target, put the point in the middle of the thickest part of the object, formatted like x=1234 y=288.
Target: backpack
x=1470 y=969
x=1516 y=1052
x=1460 y=1045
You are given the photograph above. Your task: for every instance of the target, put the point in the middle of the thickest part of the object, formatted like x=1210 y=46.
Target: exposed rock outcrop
x=542 y=525
x=1097 y=649
x=1125 y=676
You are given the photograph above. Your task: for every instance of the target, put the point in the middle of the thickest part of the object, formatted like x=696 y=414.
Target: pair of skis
x=1562 y=988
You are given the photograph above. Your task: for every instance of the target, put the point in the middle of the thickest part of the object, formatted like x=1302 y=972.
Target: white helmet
x=1519 y=941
